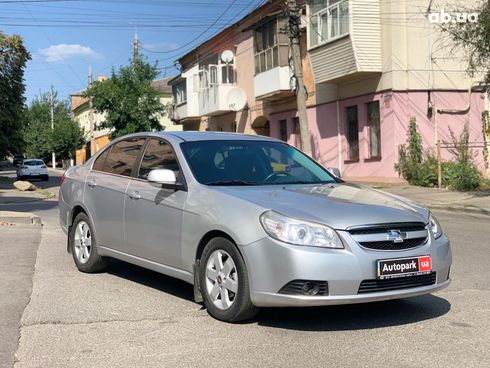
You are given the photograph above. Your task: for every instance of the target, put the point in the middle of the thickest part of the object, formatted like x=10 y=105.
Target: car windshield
x=242 y=162
x=33 y=163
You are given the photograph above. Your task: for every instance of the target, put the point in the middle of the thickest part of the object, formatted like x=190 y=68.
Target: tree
x=473 y=35
x=13 y=59
x=128 y=99
x=40 y=139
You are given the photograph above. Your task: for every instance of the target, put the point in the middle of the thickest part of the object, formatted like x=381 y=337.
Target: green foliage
x=128 y=99
x=474 y=38
x=420 y=168
x=410 y=155
x=40 y=139
x=13 y=58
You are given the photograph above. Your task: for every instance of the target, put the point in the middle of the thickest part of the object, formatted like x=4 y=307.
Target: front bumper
x=272 y=264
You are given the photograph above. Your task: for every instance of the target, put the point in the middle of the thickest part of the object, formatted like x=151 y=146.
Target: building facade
x=369 y=66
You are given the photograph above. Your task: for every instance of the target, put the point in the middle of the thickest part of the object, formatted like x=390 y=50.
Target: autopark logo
x=443 y=17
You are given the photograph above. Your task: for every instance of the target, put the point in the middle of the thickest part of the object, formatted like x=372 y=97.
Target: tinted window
x=99 y=162
x=33 y=162
x=158 y=155
x=123 y=155
x=251 y=163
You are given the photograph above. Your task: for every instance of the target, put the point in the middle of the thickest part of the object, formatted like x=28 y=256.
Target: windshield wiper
x=230 y=183
x=303 y=182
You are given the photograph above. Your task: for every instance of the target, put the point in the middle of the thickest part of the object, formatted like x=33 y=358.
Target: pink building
x=365 y=78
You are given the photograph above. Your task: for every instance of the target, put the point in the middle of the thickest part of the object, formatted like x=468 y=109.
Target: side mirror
x=334 y=171
x=164 y=178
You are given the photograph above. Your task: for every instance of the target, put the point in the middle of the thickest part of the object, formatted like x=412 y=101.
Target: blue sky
x=65 y=37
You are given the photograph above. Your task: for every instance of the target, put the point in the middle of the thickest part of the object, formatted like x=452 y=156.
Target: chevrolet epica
x=250 y=221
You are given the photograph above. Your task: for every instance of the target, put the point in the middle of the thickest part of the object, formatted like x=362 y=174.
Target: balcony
x=345 y=40
x=217 y=93
x=273 y=83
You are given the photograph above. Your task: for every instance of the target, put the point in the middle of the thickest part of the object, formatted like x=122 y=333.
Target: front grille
x=407 y=282
x=390 y=236
x=384 y=228
x=390 y=245
x=305 y=287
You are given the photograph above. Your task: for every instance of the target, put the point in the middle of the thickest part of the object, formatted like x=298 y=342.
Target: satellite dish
x=236 y=99
x=227 y=56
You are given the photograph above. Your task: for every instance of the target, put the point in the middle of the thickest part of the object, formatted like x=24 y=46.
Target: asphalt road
x=133 y=317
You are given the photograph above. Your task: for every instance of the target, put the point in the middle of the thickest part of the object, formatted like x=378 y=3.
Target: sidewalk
x=435 y=198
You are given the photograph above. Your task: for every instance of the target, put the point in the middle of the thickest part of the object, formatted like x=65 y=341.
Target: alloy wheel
x=221 y=279
x=83 y=242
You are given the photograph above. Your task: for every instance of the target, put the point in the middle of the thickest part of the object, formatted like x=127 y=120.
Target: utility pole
x=135 y=47
x=91 y=114
x=294 y=36
x=53 y=155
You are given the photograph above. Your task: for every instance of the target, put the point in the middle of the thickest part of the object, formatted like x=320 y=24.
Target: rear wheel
x=84 y=246
x=224 y=282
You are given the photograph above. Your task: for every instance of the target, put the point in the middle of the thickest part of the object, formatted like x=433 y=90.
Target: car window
x=159 y=154
x=100 y=161
x=33 y=162
x=123 y=155
x=243 y=162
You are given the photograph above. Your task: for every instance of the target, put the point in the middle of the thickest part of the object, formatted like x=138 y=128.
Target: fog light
x=311 y=288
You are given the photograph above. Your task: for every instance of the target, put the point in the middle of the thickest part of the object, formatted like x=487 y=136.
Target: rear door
x=105 y=187
x=153 y=216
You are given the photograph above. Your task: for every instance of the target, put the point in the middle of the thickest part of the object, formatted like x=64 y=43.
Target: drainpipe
x=436 y=128
x=339 y=138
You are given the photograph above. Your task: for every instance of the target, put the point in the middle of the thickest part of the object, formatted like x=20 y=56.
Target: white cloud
x=61 y=52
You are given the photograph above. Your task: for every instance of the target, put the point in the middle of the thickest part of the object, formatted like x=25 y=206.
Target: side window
x=99 y=162
x=158 y=155
x=123 y=155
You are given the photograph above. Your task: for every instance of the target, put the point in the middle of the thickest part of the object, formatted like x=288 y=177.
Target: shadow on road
x=155 y=280
x=23 y=204
x=330 y=318
x=356 y=316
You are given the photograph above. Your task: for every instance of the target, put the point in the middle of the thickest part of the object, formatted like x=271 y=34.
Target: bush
x=420 y=168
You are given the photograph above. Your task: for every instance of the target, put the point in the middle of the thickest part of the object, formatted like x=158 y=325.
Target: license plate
x=399 y=267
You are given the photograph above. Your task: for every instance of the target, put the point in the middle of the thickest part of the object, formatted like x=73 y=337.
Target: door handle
x=91 y=183
x=134 y=195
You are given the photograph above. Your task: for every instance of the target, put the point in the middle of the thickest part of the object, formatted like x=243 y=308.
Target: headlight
x=435 y=226
x=299 y=232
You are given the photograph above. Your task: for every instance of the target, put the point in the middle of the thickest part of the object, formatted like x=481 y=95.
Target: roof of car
x=208 y=136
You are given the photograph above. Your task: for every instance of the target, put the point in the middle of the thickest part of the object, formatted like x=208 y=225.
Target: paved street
x=133 y=317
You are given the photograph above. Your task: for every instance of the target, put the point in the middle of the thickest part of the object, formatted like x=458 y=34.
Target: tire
x=84 y=255
x=226 y=305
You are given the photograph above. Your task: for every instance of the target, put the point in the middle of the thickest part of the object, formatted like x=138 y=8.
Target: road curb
x=473 y=210
x=20 y=217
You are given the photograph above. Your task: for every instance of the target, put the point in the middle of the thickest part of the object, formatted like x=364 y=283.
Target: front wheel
x=84 y=246
x=224 y=282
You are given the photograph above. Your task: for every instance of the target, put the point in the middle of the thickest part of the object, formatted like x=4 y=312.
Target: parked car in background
x=17 y=161
x=249 y=221
x=33 y=169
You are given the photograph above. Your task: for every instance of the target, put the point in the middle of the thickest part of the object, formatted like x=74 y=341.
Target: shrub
x=420 y=168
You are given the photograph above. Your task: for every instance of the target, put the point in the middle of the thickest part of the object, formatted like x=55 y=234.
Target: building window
x=180 y=93
x=329 y=19
x=297 y=133
x=270 y=45
x=213 y=72
x=374 y=129
x=352 y=132
x=283 y=130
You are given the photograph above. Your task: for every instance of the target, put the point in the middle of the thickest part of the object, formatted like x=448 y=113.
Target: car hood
x=338 y=205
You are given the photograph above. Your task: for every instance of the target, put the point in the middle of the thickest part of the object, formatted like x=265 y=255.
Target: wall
x=396 y=108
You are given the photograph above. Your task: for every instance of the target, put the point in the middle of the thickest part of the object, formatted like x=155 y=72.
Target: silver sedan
x=250 y=222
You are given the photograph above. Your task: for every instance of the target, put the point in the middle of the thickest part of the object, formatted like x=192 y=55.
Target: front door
x=153 y=216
